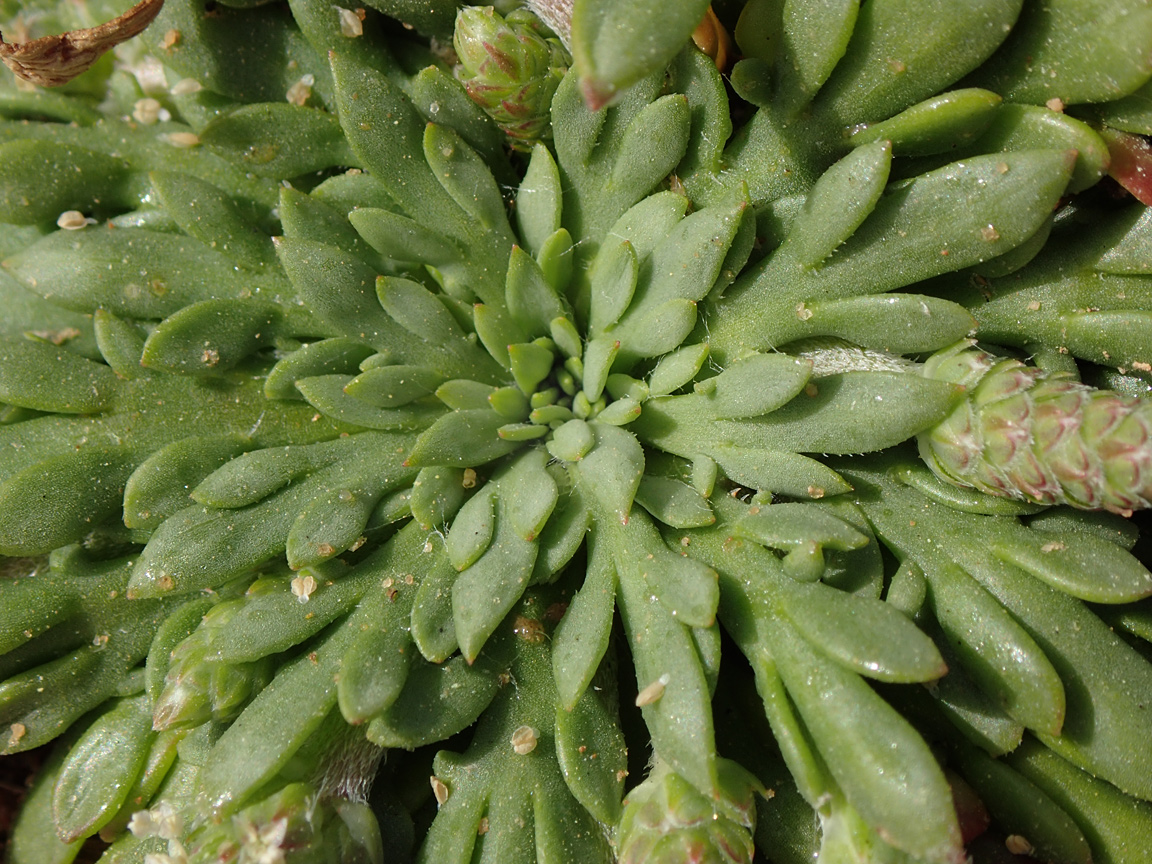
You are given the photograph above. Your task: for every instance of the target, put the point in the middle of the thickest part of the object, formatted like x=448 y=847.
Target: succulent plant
x=389 y=455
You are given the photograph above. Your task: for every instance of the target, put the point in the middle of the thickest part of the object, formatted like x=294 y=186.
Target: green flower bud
x=1038 y=436
x=666 y=820
x=197 y=689
x=511 y=67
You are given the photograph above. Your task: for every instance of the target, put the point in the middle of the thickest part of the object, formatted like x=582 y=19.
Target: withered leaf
x=55 y=60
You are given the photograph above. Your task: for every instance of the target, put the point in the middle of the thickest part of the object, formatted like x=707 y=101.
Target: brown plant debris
x=55 y=60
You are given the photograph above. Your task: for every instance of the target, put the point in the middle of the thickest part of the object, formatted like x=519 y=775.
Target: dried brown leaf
x=55 y=60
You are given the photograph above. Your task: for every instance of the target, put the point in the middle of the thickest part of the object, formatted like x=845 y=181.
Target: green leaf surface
x=162 y=484
x=612 y=470
x=841 y=199
x=1090 y=567
x=666 y=659
x=472 y=529
x=74 y=493
x=488 y=588
x=432 y=628
x=1088 y=52
x=1023 y=809
x=441 y=98
x=616 y=44
x=778 y=471
x=133 y=272
x=121 y=343
x=673 y=502
x=934 y=224
x=329 y=395
x=497 y=330
x=677 y=368
x=205 y=212
x=592 y=755
x=41 y=376
x=532 y=493
x=249 y=55
x=437 y=701
x=1020 y=127
x=437 y=496
x=996 y=651
x=255 y=475
x=396 y=236
x=582 y=637
x=864 y=634
x=564 y=533
x=277 y=723
x=936 y=125
x=230 y=541
x=850 y=412
x=532 y=301
x=1115 y=825
x=41 y=180
x=898 y=779
x=813 y=39
x=393 y=386
x=254 y=136
x=320 y=217
x=101 y=768
x=613 y=282
x=33 y=838
x=539 y=200
x=340 y=289
x=464 y=177
x=902 y=52
x=786 y=526
x=208 y=337
x=375 y=667
x=463 y=439
x=337 y=356
x=46 y=699
x=1102 y=676
x=755 y=385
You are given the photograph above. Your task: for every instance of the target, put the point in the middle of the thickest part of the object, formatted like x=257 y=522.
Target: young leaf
x=539 y=200
x=582 y=637
x=841 y=199
x=616 y=44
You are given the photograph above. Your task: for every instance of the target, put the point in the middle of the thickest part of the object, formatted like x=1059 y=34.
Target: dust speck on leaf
x=439 y=790
x=303 y=586
x=524 y=740
x=653 y=692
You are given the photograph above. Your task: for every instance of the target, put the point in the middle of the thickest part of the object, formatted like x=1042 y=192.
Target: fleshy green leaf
x=612 y=469
x=841 y=199
x=208 y=337
x=41 y=376
x=101 y=768
x=539 y=200
x=255 y=136
x=205 y=212
x=864 y=634
x=337 y=356
x=755 y=385
x=472 y=530
x=462 y=438
x=581 y=638
x=1093 y=52
x=935 y=125
x=592 y=755
x=160 y=486
x=532 y=301
x=615 y=45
